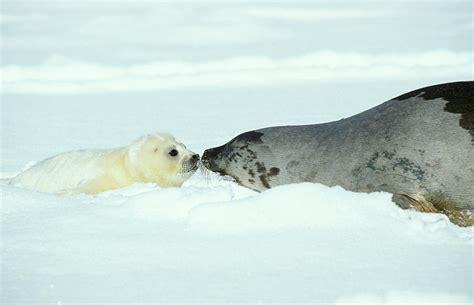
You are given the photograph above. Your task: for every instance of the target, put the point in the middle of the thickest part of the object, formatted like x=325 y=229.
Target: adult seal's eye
x=173 y=153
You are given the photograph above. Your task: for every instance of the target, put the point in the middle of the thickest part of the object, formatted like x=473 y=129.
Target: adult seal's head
x=418 y=146
x=238 y=158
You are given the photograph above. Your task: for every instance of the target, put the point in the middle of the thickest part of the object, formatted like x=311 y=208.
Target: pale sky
x=98 y=46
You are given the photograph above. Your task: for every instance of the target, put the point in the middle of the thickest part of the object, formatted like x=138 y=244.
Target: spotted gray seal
x=418 y=146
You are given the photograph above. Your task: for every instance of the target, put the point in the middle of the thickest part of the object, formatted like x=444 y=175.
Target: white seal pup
x=156 y=158
x=418 y=146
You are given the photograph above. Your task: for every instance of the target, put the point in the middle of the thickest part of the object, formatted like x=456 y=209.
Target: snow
x=242 y=67
x=213 y=241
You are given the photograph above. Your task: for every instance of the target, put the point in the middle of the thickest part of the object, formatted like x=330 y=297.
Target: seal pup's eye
x=173 y=153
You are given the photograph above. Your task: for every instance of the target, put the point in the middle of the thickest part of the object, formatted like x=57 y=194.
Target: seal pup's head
x=160 y=159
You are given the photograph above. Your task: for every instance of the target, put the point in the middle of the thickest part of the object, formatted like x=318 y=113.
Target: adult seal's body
x=418 y=146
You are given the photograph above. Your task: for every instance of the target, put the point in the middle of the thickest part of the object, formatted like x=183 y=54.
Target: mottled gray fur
x=413 y=144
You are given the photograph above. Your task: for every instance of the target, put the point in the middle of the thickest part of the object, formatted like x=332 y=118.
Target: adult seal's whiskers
x=418 y=146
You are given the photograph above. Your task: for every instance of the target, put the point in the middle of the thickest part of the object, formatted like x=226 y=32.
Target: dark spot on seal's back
x=274 y=171
x=467 y=114
x=292 y=163
x=381 y=162
x=260 y=167
x=249 y=154
x=372 y=163
x=264 y=174
x=460 y=97
x=291 y=166
x=459 y=92
x=388 y=155
x=409 y=167
x=232 y=157
x=264 y=181
x=250 y=137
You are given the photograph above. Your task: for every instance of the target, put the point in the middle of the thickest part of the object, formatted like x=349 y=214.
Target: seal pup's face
x=160 y=159
x=243 y=158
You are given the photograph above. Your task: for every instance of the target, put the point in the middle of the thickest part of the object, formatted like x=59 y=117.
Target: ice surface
x=213 y=241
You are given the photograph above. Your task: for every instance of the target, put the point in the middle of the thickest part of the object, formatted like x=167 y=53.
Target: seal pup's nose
x=195 y=157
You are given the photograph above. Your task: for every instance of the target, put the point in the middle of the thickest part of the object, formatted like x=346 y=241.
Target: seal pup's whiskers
x=155 y=158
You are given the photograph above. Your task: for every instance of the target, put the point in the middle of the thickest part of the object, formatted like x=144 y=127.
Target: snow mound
x=214 y=205
x=306 y=205
x=309 y=241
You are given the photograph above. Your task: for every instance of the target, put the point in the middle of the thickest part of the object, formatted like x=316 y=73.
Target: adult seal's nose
x=205 y=155
x=212 y=153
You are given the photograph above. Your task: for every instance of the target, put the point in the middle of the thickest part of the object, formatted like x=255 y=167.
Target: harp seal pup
x=156 y=158
x=418 y=146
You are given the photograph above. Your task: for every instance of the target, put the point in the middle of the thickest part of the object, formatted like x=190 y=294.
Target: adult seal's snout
x=214 y=153
x=418 y=146
x=209 y=154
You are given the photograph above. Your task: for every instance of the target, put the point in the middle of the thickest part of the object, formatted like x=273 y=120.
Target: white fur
x=93 y=171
